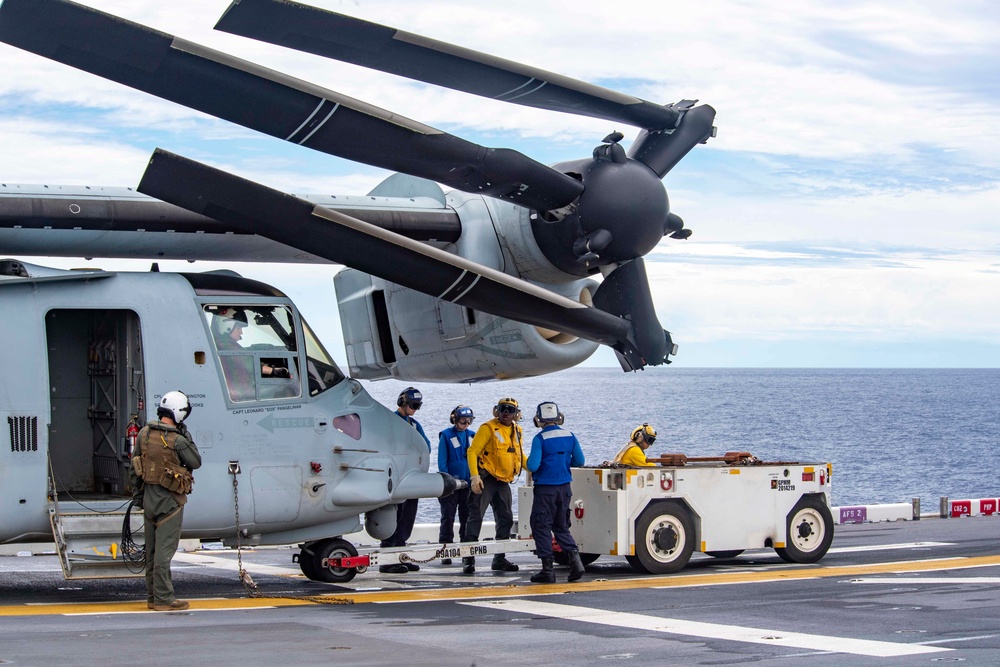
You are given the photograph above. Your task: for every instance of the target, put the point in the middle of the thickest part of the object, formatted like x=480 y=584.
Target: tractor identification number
x=782 y=484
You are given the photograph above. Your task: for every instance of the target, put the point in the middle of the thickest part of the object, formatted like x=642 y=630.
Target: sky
x=844 y=216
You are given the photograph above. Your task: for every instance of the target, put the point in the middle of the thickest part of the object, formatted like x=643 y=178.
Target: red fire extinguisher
x=132 y=433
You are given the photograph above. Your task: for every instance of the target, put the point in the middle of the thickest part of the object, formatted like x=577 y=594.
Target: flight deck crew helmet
x=227 y=319
x=461 y=412
x=644 y=432
x=174 y=404
x=410 y=397
x=548 y=413
x=508 y=405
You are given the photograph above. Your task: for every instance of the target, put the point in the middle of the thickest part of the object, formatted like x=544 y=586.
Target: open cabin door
x=96 y=388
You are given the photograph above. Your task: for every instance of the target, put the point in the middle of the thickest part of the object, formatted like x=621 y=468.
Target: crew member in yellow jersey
x=634 y=453
x=496 y=458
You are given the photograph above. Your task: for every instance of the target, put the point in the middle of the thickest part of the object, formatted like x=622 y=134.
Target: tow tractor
x=657 y=517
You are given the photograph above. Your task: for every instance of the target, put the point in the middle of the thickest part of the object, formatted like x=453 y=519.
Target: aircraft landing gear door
x=96 y=390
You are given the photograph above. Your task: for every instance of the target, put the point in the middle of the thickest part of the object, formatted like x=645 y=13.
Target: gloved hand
x=477 y=484
x=280 y=372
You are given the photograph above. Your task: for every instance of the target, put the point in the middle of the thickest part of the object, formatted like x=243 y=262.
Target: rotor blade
x=661 y=150
x=274 y=103
x=379 y=47
x=625 y=292
x=346 y=240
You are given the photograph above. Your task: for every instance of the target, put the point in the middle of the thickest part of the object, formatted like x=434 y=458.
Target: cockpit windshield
x=257 y=351
x=256 y=346
x=323 y=371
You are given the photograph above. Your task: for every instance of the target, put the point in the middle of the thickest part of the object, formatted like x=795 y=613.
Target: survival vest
x=159 y=463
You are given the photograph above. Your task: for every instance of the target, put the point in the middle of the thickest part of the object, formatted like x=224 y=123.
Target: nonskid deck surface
x=899 y=593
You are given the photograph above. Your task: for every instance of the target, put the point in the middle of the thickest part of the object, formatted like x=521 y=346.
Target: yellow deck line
x=515 y=590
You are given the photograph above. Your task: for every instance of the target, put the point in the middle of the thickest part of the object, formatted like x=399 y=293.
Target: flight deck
x=914 y=592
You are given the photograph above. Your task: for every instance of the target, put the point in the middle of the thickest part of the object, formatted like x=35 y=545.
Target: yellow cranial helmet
x=507 y=405
x=647 y=432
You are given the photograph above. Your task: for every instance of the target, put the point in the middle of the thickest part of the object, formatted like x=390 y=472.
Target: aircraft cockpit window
x=323 y=371
x=257 y=351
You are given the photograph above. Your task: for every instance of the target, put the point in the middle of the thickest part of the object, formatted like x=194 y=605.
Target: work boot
x=501 y=564
x=176 y=605
x=395 y=568
x=469 y=565
x=546 y=575
x=446 y=561
x=576 y=568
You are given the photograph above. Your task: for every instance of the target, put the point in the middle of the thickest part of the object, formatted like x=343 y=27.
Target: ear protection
x=548 y=413
x=461 y=412
x=410 y=396
x=644 y=432
x=507 y=401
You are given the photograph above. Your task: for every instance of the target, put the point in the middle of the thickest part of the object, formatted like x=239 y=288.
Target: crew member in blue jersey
x=553 y=451
x=453 y=447
x=409 y=401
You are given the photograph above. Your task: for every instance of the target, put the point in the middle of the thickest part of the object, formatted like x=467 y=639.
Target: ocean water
x=891 y=434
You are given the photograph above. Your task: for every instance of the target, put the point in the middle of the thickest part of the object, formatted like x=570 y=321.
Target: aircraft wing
x=91 y=221
x=343 y=239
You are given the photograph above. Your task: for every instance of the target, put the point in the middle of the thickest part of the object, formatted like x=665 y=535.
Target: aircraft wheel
x=307 y=560
x=664 y=538
x=809 y=531
x=733 y=553
x=333 y=548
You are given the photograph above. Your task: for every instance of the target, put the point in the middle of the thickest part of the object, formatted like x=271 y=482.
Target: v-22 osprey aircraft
x=487 y=281
x=305 y=453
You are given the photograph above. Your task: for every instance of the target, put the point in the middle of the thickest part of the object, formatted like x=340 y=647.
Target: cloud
x=851 y=192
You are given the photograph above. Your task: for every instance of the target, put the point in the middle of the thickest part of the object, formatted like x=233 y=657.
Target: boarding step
x=89 y=543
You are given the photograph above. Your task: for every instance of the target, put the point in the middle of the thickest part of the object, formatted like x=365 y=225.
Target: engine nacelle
x=394 y=332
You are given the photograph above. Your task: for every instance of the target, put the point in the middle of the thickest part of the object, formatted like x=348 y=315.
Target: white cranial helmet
x=174 y=404
x=548 y=413
x=227 y=319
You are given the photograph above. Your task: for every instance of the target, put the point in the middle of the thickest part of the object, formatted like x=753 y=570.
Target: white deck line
x=865 y=647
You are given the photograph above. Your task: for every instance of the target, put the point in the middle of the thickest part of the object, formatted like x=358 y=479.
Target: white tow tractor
x=658 y=516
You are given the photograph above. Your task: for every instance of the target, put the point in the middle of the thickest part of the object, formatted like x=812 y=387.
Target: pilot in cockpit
x=227 y=328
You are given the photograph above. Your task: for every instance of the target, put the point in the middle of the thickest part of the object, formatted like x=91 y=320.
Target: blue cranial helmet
x=462 y=412
x=412 y=397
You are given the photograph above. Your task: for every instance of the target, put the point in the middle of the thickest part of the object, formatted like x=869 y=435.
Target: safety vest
x=634 y=459
x=500 y=458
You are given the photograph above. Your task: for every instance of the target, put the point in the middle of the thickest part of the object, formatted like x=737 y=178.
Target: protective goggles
x=507 y=409
x=465 y=421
